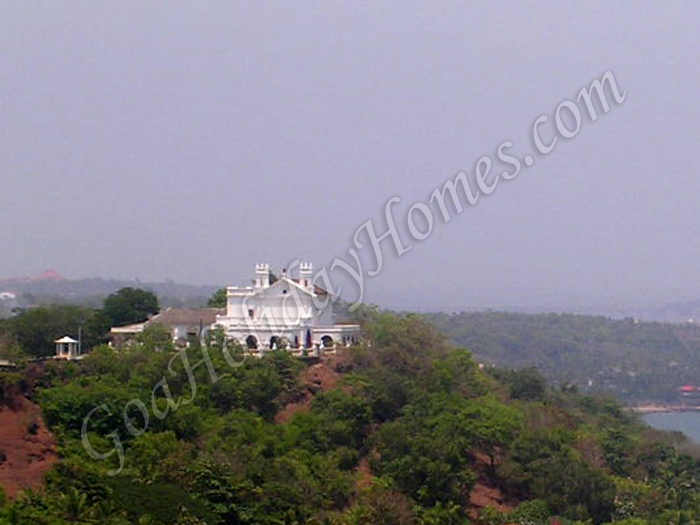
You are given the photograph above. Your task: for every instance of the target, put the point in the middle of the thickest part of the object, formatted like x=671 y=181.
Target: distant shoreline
x=661 y=408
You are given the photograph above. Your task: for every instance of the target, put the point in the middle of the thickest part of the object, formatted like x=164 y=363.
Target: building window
x=251 y=314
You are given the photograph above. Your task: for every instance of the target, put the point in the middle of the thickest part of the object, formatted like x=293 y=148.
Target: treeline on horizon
x=92 y=292
x=635 y=361
x=410 y=429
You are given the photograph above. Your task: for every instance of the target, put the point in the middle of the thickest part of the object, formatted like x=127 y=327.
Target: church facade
x=284 y=312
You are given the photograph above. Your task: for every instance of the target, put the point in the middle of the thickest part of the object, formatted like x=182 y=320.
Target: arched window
x=309 y=340
x=327 y=341
x=251 y=342
x=274 y=342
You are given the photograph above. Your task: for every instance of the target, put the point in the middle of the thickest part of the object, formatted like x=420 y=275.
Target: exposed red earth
x=27 y=448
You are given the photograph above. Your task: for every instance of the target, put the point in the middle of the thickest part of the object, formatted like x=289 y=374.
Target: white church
x=284 y=312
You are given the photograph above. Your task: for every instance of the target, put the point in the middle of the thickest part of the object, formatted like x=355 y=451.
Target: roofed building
x=184 y=324
x=67 y=348
x=284 y=312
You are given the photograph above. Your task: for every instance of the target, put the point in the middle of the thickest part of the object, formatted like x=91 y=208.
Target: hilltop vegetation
x=413 y=432
x=32 y=333
x=635 y=361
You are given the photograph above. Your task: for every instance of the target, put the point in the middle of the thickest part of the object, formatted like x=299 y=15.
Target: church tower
x=305 y=274
x=262 y=275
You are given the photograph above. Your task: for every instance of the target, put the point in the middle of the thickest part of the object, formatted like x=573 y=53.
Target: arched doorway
x=274 y=342
x=251 y=342
x=327 y=341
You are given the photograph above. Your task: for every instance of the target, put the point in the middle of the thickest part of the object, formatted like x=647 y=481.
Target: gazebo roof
x=65 y=339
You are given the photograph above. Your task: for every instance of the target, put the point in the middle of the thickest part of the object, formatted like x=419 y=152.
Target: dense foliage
x=413 y=429
x=218 y=299
x=130 y=305
x=32 y=332
x=35 y=330
x=635 y=361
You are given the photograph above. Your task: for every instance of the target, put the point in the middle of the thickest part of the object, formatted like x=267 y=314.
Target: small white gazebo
x=67 y=348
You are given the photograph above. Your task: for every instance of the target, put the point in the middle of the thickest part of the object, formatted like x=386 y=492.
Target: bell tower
x=305 y=274
x=262 y=275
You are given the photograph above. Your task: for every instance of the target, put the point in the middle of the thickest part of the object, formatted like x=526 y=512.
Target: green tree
x=379 y=504
x=527 y=383
x=544 y=465
x=130 y=305
x=218 y=300
x=156 y=337
x=36 y=329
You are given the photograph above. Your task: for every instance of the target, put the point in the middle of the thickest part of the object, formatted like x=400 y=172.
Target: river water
x=686 y=422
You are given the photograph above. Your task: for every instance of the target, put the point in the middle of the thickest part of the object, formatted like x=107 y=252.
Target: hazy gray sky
x=190 y=140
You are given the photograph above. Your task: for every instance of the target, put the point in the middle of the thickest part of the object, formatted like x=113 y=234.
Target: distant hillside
x=635 y=361
x=676 y=312
x=45 y=276
x=52 y=287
